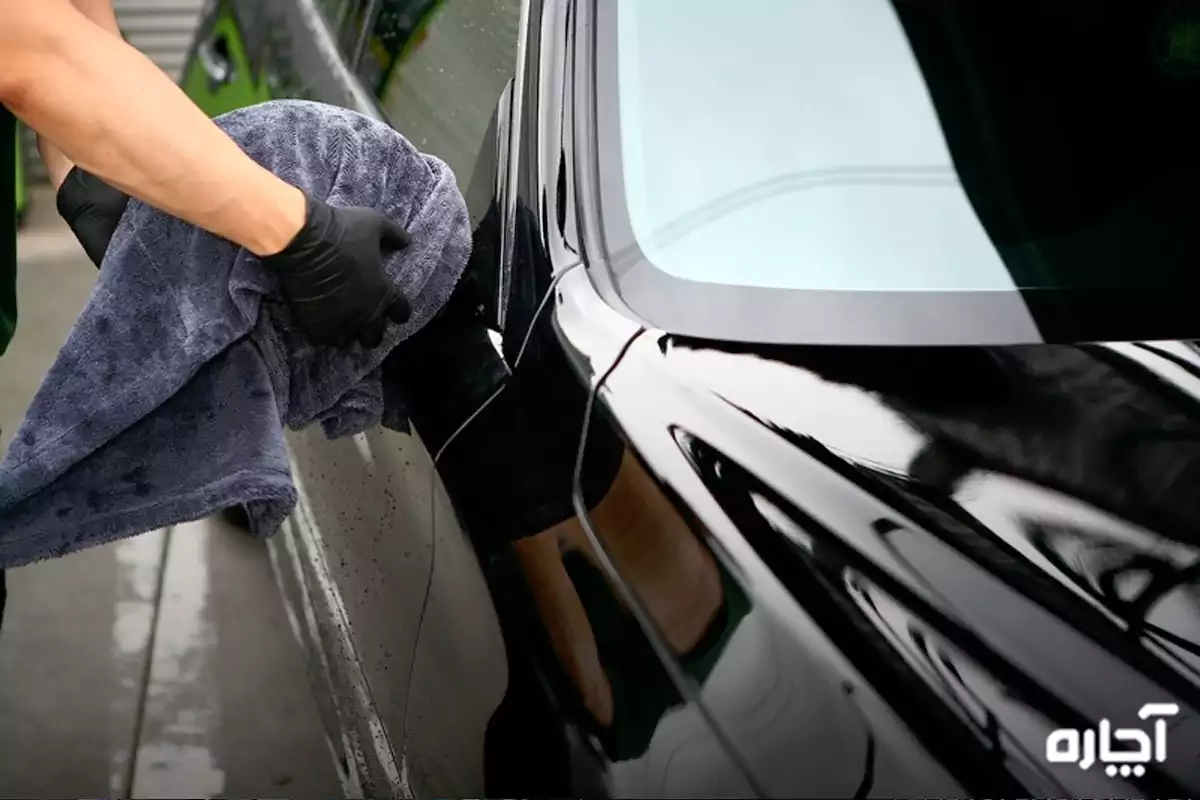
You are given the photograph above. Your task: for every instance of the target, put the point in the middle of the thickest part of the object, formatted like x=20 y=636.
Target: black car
x=818 y=416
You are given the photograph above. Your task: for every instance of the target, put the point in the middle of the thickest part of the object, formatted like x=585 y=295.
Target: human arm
x=57 y=164
x=100 y=12
x=115 y=114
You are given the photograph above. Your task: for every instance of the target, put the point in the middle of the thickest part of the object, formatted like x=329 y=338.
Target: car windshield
x=977 y=152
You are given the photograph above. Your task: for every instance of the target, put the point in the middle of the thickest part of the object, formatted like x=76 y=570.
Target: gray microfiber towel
x=168 y=401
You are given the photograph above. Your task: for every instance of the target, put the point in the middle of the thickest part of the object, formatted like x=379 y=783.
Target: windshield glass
x=902 y=147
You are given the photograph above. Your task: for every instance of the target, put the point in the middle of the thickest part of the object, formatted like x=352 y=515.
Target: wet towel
x=169 y=399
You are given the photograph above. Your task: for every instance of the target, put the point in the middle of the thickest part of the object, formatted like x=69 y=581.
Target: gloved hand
x=333 y=277
x=92 y=209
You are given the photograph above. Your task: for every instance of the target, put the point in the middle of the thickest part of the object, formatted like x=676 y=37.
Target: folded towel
x=168 y=400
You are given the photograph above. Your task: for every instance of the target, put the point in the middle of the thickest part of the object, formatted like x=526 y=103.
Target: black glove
x=92 y=208
x=333 y=277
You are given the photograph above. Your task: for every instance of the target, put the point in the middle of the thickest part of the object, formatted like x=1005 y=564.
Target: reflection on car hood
x=1032 y=557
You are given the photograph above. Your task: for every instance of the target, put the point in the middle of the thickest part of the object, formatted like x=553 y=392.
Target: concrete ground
x=162 y=666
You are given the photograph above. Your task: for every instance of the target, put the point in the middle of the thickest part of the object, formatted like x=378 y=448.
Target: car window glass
x=400 y=27
x=251 y=19
x=439 y=67
x=349 y=26
x=333 y=11
x=1014 y=158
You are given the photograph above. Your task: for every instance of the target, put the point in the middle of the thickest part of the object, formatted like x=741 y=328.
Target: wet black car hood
x=997 y=542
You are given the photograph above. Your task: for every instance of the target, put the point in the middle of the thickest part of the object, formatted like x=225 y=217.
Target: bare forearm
x=100 y=13
x=115 y=114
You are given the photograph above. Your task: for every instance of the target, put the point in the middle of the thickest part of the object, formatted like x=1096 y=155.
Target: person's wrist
x=282 y=220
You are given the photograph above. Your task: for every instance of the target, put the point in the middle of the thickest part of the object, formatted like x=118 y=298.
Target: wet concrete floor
x=162 y=666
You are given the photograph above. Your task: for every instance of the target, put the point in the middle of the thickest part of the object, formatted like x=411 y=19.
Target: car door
x=419 y=659
x=387 y=596
x=439 y=69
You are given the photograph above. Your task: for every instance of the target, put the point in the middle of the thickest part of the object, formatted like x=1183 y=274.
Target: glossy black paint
x=984 y=566
x=925 y=559
x=960 y=534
